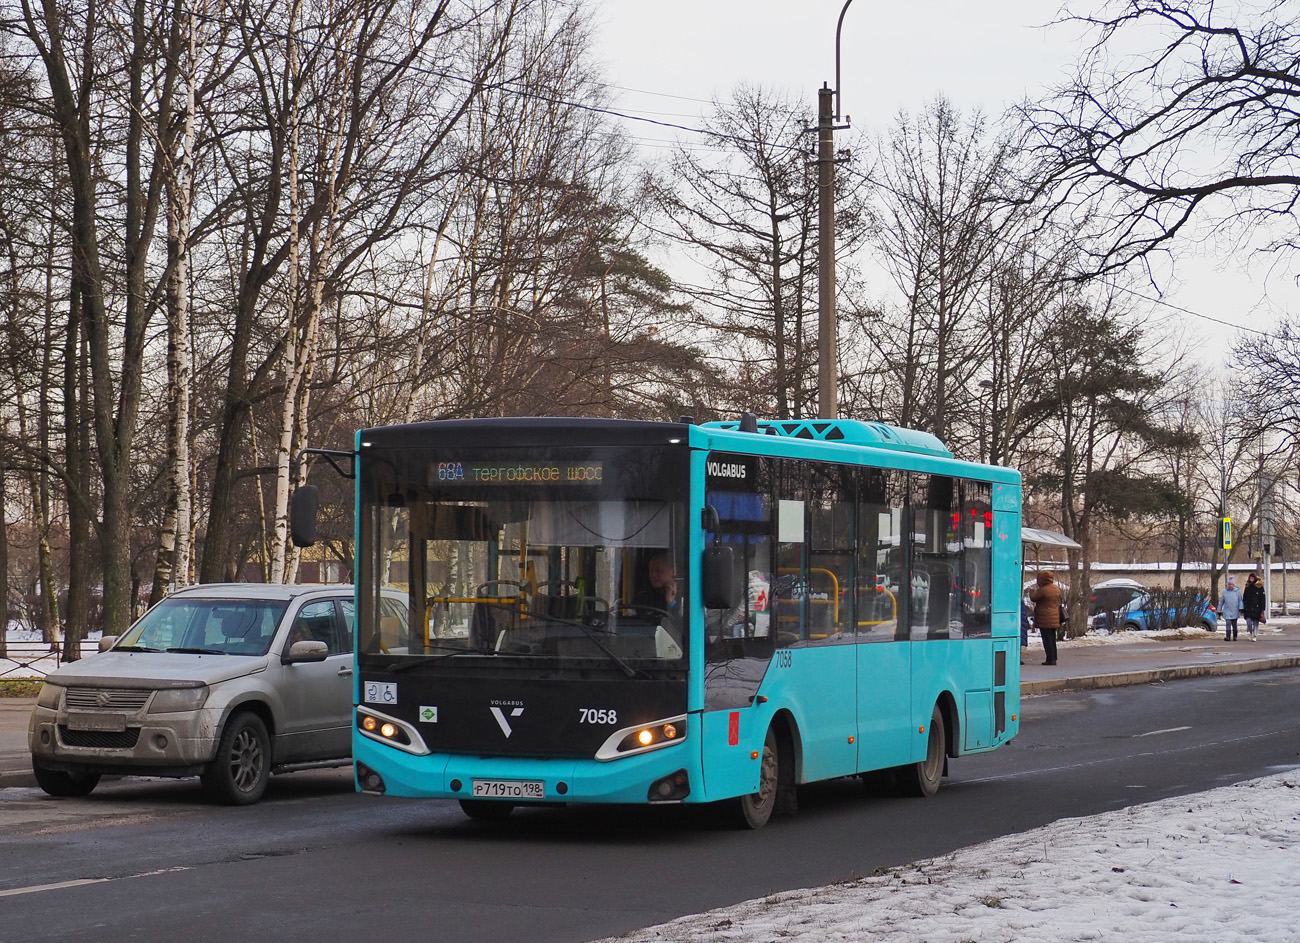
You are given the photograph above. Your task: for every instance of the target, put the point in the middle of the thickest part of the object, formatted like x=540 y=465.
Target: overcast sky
x=668 y=58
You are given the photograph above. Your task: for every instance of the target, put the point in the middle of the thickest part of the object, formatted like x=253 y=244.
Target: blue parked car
x=1157 y=609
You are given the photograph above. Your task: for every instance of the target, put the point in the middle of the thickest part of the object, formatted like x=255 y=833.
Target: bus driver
x=662 y=591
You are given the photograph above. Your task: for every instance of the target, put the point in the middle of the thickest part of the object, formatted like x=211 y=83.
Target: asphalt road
x=147 y=860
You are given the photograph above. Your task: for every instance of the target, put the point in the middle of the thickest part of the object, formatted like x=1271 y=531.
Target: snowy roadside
x=1219 y=865
x=1273 y=627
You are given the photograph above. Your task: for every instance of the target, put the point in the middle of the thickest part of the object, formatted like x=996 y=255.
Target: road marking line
x=37 y=888
x=1152 y=733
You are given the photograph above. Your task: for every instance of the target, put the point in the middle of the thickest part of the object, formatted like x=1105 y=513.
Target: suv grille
x=104 y=740
x=127 y=700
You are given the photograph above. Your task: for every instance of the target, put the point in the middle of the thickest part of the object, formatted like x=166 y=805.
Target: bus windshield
x=524 y=560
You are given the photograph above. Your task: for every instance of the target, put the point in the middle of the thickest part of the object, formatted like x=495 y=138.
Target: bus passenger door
x=884 y=649
x=814 y=600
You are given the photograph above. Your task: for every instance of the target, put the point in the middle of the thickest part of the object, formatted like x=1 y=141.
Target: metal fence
x=35 y=660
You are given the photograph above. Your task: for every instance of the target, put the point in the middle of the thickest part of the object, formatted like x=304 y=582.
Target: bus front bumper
x=668 y=775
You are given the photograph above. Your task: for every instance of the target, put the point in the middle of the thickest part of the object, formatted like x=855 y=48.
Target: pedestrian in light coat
x=1230 y=603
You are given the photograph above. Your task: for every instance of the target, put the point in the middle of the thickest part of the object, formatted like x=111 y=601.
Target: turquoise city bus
x=618 y=611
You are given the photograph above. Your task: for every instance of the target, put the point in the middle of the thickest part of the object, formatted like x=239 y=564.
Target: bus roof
x=847 y=432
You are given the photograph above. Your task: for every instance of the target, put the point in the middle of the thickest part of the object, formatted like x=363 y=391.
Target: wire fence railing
x=33 y=659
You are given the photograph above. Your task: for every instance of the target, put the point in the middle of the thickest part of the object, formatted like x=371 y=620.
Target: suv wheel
x=242 y=768
x=64 y=785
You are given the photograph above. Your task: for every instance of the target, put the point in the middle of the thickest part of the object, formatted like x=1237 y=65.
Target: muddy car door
x=317 y=695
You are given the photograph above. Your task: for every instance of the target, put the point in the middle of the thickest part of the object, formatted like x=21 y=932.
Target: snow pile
x=1218 y=865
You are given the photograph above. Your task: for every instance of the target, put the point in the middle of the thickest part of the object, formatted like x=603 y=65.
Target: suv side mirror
x=721 y=588
x=302 y=515
x=308 y=650
x=106 y=642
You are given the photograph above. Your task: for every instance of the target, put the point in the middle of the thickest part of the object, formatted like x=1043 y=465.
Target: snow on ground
x=1217 y=865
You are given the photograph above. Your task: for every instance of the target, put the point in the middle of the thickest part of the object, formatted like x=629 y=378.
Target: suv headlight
x=175 y=700
x=49 y=696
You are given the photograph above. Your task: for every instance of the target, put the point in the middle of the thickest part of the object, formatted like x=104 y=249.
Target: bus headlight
x=390 y=730
x=383 y=729
x=643 y=738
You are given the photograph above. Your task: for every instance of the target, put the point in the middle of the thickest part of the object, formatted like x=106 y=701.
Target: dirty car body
x=229 y=682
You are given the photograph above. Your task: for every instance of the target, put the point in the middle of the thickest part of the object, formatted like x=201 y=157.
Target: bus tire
x=242 y=767
x=754 y=810
x=486 y=810
x=923 y=778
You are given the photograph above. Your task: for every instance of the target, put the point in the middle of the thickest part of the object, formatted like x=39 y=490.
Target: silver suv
x=231 y=682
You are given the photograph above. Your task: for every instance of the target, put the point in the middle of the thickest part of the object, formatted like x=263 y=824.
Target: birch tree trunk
x=172 y=567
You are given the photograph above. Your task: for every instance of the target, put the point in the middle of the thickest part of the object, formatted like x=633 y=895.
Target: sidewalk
x=1082 y=664
x=1140 y=658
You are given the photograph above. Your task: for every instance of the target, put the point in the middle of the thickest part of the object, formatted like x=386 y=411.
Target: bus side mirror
x=302 y=515
x=721 y=587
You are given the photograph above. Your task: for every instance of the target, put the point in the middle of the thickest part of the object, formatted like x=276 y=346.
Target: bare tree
x=1200 y=126
x=1097 y=421
x=1273 y=393
x=399 y=110
x=107 y=115
x=744 y=204
x=549 y=303
x=173 y=562
x=941 y=214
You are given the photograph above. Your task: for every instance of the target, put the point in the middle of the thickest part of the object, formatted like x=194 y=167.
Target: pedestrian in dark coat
x=1252 y=605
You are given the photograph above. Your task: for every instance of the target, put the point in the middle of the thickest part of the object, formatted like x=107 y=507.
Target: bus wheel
x=755 y=809
x=484 y=810
x=922 y=779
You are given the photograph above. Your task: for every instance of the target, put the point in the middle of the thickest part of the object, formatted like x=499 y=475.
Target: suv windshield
x=527 y=573
x=215 y=626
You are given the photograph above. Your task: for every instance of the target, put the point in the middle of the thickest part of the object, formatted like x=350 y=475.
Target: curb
x=1155 y=675
x=17 y=779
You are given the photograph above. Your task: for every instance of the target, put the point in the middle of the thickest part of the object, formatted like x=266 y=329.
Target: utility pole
x=828 y=116
x=827 y=368
x=1267 y=533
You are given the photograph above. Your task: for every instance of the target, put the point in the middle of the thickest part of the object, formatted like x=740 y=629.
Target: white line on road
x=1152 y=733
x=37 y=888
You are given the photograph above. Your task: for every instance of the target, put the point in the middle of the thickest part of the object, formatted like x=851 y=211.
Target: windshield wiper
x=134 y=648
x=198 y=651
x=445 y=651
x=594 y=634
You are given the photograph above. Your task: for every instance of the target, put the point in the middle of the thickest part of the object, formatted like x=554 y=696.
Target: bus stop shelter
x=1044 y=542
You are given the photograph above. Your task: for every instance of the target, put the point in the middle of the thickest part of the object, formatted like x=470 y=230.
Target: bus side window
x=935 y=583
x=789 y=582
x=831 y=495
x=882 y=576
x=977 y=559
